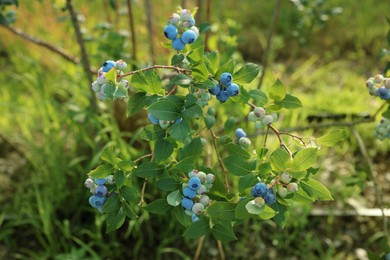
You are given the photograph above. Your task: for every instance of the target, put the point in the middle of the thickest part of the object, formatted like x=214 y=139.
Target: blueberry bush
x=212 y=175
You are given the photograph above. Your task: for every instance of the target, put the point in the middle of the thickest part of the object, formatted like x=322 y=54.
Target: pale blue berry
x=202 y=176
x=174 y=19
x=202 y=190
x=89 y=183
x=153 y=119
x=215 y=90
x=100 y=181
x=205 y=200
x=178 y=44
x=222 y=96
x=170 y=31
x=187 y=203
x=210 y=178
x=188 y=37
x=240 y=133
x=269 y=197
x=194 y=183
x=194 y=218
x=189 y=193
x=292 y=187
x=107 y=65
x=101 y=191
x=233 y=90
x=226 y=79
x=268 y=119
x=121 y=64
x=259 y=190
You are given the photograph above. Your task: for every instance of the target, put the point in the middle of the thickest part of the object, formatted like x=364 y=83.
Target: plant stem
x=208 y=16
x=220 y=249
x=220 y=161
x=372 y=174
x=150 y=29
x=143 y=157
x=141 y=201
x=269 y=41
x=84 y=56
x=179 y=70
x=199 y=247
x=282 y=144
x=132 y=31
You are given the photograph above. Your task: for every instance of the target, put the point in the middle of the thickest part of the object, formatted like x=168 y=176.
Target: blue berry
x=101 y=190
x=269 y=197
x=100 y=181
x=222 y=96
x=153 y=119
x=240 y=133
x=215 y=90
x=109 y=64
x=233 y=90
x=194 y=218
x=226 y=79
x=170 y=31
x=189 y=193
x=92 y=201
x=383 y=93
x=187 y=203
x=178 y=44
x=194 y=183
x=188 y=36
x=259 y=190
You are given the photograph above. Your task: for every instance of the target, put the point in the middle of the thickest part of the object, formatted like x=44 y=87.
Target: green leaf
x=302 y=197
x=281 y=214
x=194 y=111
x=230 y=124
x=209 y=121
x=109 y=89
x=181 y=80
x=267 y=213
x=149 y=82
x=174 y=198
x=193 y=149
x=277 y=91
x=177 y=58
x=119 y=177
x=182 y=217
x=289 y=102
x=136 y=103
x=197 y=51
x=259 y=97
x=165 y=109
x=227 y=67
x=167 y=184
x=222 y=210
x=223 y=232
x=316 y=190
x=213 y=62
x=162 y=150
x=148 y=170
x=240 y=211
x=200 y=72
x=115 y=220
x=126 y=165
x=246 y=73
x=237 y=165
x=197 y=229
x=386 y=114
x=129 y=194
x=101 y=171
x=304 y=159
x=264 y=169
x=251 y=207
x=120 y=91
x=179 y=131
x=112 y=204
x=332 y=137
x=111 y=75
x=280 y=160
x=184 y=165
x=246 y=182
x=108 y=155
x=128 y=210
x=234 y=149
x=159 y=206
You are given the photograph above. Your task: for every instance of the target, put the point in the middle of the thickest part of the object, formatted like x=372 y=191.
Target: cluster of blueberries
x=101 y=86
x=382 y=130
x=225 y=88
x=243 y=141
x=99 y=190
x=379 y=86
x=163 y=123
x=261 y=118
x=181 y=29
x=195 y=199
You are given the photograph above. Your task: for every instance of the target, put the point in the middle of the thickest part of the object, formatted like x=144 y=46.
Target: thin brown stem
x=224 y=170
x=142 y=200
x=150 y=29
x=208 y=16
x=143 y=157
x=282 y=144
x=264 y=62
x=179 y=70
x=220 y=249
x=372 y=173
x=132 y=31
x=199 y=247
x=84 y=57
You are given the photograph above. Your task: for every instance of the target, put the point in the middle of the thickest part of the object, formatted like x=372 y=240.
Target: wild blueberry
x=259 y=190
x=194 y=183
x=195 y=29
x=198 y=208
x=269 y=197
x=101 y=79
x=285 y=177
x=202 y=176
x=282 y=191
x=193 y=173
x=205 y=200
x=187 y=203
x=202 y=190
x=100 y=181
x=121 y=64
x=170 y=31
x=215 y=90
x=268 y=119
x=164 y=123
x=379 y=78
x=109 y=64
x=244 y=142
x=210 y=178
x=226 y=79
x=153 y=119
x=252 y=116
x=383 y=93
x=95 y=86
x=101 y=191
x=240 y=133
x=292 y=187
x=174 y=19
x=259 y=112
x=185 y=15
x=259 y=125
x=189 y=193
x=222 y=96
x=178 y=44
x=110 y=179
x=92 y=201
x=194 y=218
x=259 y=202
x=233 y=90
x=89 y=183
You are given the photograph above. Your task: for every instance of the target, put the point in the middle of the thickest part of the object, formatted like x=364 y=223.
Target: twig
x=141 y=201
x=84 y=56
x=371 y=172
x=220 y=249
x=179 y=70
x=269 y=40
x=199 y=247
x=132 y=31
x=143 y=157
x=224 y=170
x=208 y=16
x=150 y=29
x=42 y=43
x=282 y=144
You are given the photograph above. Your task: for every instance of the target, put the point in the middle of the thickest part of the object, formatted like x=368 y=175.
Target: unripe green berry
x=193 y=173
x=259 y=112
x=244 y=142
x=268 y=119
x=198 y=208
x=252 y=117
x=211 y=111
x=285 y=177
x=202 y=190
x=282 y=191
x=259 y=125
x=292 y=187
x=202 y=176
x=210 y=178
x=205 y=200
x=378 y=79
x=259 y=202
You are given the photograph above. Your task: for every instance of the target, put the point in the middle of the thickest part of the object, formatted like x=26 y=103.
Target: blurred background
x=51 y=135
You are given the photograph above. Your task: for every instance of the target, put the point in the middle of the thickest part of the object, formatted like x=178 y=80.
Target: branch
x=199 y=247
x=132 y=31
x=220 y=161
x=42 y=43
x=179 y=70
x=282 y=144
x=269 y=41
x=150 y=29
